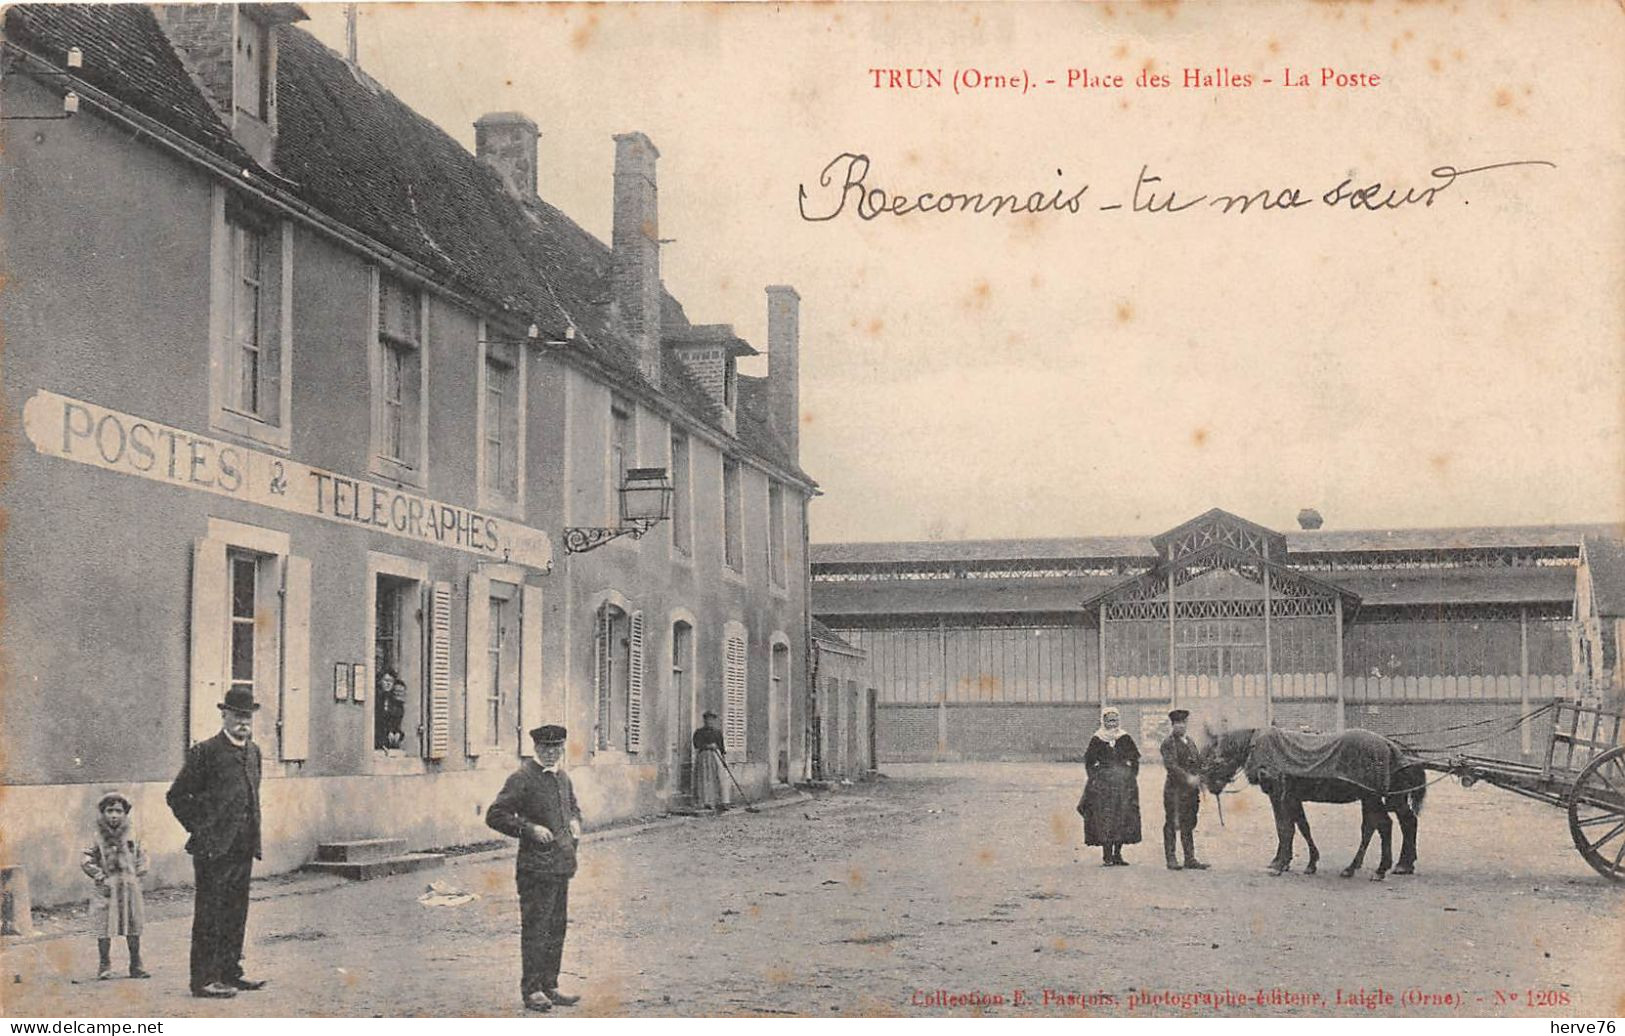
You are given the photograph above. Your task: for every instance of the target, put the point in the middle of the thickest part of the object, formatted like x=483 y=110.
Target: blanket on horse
x=1361 y=757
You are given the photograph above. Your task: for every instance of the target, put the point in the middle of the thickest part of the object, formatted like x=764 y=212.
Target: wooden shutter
x=439 y=670
x=530 y=663
x=477 y=665
x=601 y=675
x=733 y=686
x=296 y=659
x=634 y=684
x=208 y=634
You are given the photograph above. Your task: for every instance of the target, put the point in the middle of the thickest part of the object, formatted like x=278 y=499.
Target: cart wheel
x=1597 y=814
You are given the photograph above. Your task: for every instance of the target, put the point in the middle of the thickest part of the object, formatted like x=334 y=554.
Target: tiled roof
x=126 y=55
x=1606 y=557
x=362 y=157
x=754 y=425
x=1298 y=542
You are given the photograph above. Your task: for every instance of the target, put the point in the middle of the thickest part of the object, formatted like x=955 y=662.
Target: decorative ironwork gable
x=1285 y=583
x=1220 y=528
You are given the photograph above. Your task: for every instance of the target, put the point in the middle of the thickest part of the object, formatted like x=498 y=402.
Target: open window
x=409 y=629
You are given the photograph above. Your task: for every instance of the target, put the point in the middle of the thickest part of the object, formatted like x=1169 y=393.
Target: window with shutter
x=733 y=721
x=634 y=684
x=439 y=670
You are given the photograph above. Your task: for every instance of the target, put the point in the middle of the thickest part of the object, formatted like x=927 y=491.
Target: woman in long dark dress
x=1111 y=795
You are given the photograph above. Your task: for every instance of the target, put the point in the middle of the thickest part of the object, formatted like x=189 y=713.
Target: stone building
x=301 y=396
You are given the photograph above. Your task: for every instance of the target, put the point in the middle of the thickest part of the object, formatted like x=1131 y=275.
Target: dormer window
x=251 y=93
x=231 y=52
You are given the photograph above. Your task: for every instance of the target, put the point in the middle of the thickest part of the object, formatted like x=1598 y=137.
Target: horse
x=1232 y=750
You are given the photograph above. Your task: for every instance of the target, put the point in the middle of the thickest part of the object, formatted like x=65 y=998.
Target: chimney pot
x=506 y=141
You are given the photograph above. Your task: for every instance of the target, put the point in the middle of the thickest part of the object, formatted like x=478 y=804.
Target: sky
x=1112 y=371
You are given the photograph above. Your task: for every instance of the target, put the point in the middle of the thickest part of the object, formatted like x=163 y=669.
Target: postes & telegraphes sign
x=75 y=430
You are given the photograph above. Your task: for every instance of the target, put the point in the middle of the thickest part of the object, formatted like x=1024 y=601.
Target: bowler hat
x=239 y=699
x=551 y=734
x=1179 y=715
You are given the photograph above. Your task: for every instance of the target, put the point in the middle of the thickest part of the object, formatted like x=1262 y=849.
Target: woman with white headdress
x=1111 y=795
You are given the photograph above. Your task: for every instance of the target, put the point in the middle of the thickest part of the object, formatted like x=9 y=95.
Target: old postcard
x=1108 y=510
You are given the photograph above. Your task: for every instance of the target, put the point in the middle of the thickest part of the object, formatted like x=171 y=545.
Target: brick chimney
x=635 y=249
x=230 y=51
x=784 y=365
x=506 y=141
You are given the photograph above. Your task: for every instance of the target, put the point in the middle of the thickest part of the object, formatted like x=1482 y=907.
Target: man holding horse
x=1181 y=793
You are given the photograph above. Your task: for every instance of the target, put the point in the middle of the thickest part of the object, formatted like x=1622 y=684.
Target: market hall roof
x=1301 y=542
x=355 y=153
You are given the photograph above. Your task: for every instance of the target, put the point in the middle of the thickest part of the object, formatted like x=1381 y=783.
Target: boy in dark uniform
x=1181 y=793
x=538 y=806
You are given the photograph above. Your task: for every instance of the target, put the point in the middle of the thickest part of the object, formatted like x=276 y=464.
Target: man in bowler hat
x=1181 y=793
x=538 y=806
x=216 y=798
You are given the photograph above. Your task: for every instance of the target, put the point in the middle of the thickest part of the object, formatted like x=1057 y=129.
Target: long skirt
x=710 y=787
x=1111 y=807
x=120 y=912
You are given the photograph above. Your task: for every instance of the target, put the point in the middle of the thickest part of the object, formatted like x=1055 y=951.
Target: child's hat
x=113 y=796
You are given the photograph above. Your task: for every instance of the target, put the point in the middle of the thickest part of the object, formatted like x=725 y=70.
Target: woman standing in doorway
x=709 y=751
x=1111 y=794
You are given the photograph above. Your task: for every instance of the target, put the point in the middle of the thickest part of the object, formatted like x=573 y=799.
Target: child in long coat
x=115 y=861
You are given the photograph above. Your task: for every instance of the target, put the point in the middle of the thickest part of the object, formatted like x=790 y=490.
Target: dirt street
x=964 y=880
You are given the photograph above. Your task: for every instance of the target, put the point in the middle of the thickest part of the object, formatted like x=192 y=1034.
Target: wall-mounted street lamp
x=645 y=503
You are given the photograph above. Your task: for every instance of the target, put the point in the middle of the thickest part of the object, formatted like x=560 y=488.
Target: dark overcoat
x=1111 y=797
x=531 y=795
x=1180 y=801
x=216 y=793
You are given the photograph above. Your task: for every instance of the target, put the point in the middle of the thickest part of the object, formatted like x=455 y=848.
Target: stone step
x=360 y=850
x=364 y=870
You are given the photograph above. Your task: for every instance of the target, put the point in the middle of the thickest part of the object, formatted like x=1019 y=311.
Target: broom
x=743 y=797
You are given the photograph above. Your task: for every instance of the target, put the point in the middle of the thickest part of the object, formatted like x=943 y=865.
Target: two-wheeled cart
x=1584 y=772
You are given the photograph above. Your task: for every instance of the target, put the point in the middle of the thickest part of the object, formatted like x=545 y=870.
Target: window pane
x=242 y=651
x=242 y=587
x=248 y=247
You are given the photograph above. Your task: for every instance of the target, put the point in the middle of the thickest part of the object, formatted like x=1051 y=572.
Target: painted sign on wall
x=89 y=434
